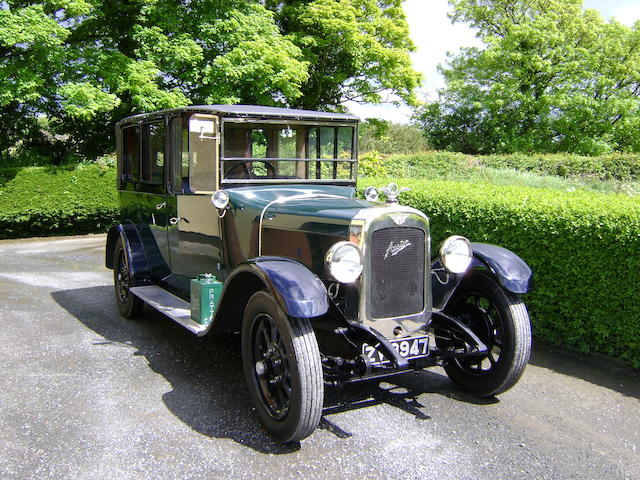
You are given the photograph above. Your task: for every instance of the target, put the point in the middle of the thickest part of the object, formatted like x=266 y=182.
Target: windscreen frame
x=353 y=160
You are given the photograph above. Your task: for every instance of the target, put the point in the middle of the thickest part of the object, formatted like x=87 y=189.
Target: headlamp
x=456 y=254
x=344 y=262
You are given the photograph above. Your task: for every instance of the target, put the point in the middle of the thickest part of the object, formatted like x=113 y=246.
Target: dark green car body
x=255 y=209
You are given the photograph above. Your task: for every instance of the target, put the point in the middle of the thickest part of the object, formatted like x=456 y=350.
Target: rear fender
x=139 y=268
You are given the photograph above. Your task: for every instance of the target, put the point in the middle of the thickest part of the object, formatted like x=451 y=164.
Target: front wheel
x=501 y=321
x=283 y=369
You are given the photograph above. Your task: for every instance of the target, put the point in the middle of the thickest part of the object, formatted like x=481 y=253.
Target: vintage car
x=245 y=219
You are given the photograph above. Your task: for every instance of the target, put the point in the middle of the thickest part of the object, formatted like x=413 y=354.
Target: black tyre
x=501 y=321
x=283 y=369
x=128 y=304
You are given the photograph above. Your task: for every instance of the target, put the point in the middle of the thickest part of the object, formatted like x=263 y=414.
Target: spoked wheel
x=282 y=368
x=128 y=304
x=501 y=321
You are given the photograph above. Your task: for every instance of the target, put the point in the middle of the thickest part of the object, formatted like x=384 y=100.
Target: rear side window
x=130 y=156
x=142 y=157
x=152 y=171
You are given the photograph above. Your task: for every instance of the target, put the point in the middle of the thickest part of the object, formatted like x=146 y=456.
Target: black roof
x=250 y=110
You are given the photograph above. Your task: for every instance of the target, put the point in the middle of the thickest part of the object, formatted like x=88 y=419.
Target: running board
x=168 y=304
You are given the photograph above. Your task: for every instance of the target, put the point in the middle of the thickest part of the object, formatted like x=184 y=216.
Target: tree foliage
x=386 y=137
x=83 y=64
x=551 y=77
x=356 y=49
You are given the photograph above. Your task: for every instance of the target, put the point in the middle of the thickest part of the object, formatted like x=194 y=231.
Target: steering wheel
x=248 y=172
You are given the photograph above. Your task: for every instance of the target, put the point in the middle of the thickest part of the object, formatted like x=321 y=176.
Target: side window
x=130 y=171
x=345 y=142
x=327 y=142
x=178 y=150
x=314 y=134
x=152 y=171
x=203 y=153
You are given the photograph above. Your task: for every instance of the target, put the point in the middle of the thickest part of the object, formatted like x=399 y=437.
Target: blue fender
x=298 y=291
x=139 y=267
x=511 y=271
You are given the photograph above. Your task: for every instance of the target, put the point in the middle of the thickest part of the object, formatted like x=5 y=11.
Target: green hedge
x=622 y=167
x=40 y=201
x=584 y=249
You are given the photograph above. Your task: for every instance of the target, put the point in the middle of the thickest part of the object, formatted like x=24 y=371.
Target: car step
x=173 y=307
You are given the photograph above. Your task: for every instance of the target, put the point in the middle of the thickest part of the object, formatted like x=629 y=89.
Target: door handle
x=160 y=206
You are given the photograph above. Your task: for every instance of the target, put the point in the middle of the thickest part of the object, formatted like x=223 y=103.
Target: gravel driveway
x=86 y=394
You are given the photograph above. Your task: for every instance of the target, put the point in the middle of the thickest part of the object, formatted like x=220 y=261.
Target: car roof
x=248 y=110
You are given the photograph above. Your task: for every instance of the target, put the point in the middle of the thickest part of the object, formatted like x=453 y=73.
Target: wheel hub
x=122 y=279
x=271 y=367
x=480 y=314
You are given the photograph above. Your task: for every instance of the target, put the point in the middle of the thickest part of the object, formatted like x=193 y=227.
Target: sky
x=434 y=36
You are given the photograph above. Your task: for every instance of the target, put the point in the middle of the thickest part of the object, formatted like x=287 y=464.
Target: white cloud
x=387 y=111
x=627 y=14
x=435 y=36
x=624 y=11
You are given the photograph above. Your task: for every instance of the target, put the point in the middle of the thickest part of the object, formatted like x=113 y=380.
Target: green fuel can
x=206 y=291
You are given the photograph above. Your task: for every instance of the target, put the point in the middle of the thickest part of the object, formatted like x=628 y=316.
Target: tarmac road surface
x=86 y=394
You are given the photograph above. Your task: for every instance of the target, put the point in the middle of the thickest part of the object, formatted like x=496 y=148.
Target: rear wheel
x=501 y=321
x=128 y=304
x=282 y=368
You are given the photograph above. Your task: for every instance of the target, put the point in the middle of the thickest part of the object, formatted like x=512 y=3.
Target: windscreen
x=262 y=151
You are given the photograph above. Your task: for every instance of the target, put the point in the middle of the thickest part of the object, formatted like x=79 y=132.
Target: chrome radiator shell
x=364 y=226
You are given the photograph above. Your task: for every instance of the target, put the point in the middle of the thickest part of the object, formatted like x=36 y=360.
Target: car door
x=194 y=225
x=152 y=203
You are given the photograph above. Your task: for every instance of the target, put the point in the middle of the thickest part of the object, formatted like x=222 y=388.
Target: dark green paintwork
x=302 y=229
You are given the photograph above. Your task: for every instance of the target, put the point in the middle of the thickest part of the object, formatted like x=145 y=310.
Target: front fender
x=513 y=274
x=511 y=271
x=299 y=292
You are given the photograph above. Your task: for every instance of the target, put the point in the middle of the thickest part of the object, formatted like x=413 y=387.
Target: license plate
x=408 y=348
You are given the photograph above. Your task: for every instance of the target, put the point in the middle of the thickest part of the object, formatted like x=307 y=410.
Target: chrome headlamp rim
x=371 y=194
x=445 y=251
x=330 y=263
x=220 y=199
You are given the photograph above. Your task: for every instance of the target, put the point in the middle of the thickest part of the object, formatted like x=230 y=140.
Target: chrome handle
x=160 y=206
x=175 y=220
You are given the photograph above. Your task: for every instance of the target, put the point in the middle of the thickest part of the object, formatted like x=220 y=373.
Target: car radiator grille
x=397 y=273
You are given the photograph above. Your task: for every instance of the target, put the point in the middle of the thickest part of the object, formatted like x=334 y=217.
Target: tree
x=84 y=64
x=384 y=137
x=356 y=49
x=551 y=77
